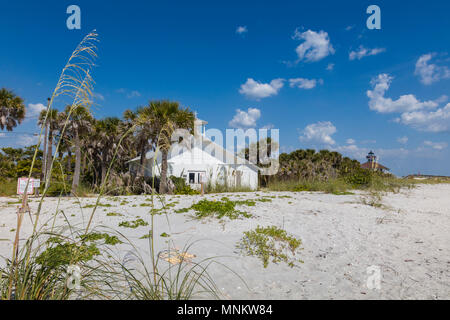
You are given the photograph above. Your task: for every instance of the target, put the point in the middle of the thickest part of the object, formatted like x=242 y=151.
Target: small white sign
x=36 y=183
x=22 y=186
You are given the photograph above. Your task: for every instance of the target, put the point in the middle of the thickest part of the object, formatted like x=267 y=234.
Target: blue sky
x=311 y=69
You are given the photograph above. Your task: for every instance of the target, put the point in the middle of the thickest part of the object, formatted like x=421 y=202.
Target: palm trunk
x=103 y=171
x=49 y=155
x=163 y=183
x=141 y=162
x=44 y=156
x=76 y=173
x=69 y=161
x=83 y=166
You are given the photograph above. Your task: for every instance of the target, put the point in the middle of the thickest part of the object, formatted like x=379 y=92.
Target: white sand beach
x=408 y=238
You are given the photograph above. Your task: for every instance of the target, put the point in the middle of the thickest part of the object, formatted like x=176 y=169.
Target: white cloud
x=268 y=126
x=25 y=140
x=330 y=66
x=257 y=90
x=319 y=132
x=244 y=119
x=360 y=153
x=405 y=103
x=348 y=28
x=352 y=151
x=99 y=96
x=402 y=140
x=134 y=94
x=241 y=30
x=431 y=121
x=303 y=83
x=421 y=115
x=364 y=52
x=34 y=109
x=129 y=93
x=350 y=141
x=436 y=145
x=315 y=47
x=430 y=73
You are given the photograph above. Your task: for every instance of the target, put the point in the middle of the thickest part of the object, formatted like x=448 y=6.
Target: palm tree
x=144 y=134
x=77 y=127
x=107 y=134
x=165 y=117
x=44 y=150
x=12 y=110
x=53 y=126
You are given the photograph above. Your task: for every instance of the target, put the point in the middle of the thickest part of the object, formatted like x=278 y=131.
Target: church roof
x=208 y=146
x=373 y=165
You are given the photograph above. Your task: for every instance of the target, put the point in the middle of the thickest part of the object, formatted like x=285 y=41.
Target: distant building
x=372 y=163
x=200 y=160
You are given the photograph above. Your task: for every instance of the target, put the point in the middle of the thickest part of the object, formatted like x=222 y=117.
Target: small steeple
x=199 y=127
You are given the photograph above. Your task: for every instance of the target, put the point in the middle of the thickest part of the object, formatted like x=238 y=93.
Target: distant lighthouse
x=372 y=163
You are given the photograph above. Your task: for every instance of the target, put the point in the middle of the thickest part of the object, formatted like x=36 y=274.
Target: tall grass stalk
x=29 y=276
x=75 y=81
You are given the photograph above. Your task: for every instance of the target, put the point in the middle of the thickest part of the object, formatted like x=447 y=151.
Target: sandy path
x=408 y=239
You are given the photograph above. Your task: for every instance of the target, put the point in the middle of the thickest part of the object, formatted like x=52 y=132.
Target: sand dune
x=407 y=238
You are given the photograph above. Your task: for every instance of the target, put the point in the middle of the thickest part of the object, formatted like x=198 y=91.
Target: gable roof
x=210 y=147
x=373 y=165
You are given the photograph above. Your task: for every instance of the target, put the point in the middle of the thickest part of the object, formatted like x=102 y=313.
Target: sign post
x=36 y=186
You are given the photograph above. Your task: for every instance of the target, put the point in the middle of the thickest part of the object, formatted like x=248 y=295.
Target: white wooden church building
x=202 y=161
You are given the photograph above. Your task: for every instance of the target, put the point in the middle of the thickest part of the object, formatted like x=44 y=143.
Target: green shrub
x=8 y=187
x=94 y=236
x=359 y=177
x=66 y=253
x=225 y=208
x=270 y=242
x=181 y=188
x=133 y=224
x=57 y=189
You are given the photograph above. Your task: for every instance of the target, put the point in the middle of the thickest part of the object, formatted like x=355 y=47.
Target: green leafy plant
x=133 y=224
x=65 y=253
x=114 y=214
x=270 y=243
x=219 y=209
x=95 y=236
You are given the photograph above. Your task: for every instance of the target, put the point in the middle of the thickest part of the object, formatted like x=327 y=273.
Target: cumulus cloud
x=34 y=109
x=245 y=119
x=99 y=96
x=429 y=72
x=268 y=126
x=421 y=115
x=315 y=45
x=431 y=121
x=134 y=94
x=405 y=103
x=129 y=93
x=319 y=132
x=436 y=145
x=303 y=83
x=364 y=52
x=402 y=140
x=350 y=141
x=257 y=90
x=25 y=140
x=330 y=66
x=241 y=30
x=352 y=150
